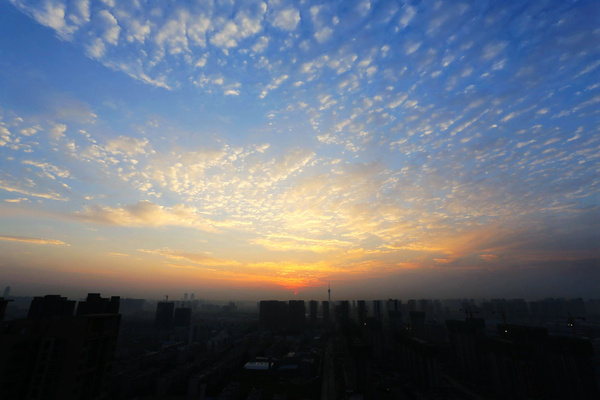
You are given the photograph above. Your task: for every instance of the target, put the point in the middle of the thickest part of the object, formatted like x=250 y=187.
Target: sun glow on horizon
x=280 y=146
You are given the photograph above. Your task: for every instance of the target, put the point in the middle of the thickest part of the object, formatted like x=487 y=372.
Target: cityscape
x=122 y=348
x=299 y=199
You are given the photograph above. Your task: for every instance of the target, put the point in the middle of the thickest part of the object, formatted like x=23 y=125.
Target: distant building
x=343 y=312
x=326 y=318
x=394 y=313
x=6 y=292
x=361 y=310
x=377 y=310
x=314 y=309
x=273 y=314
x=296 y=314
x=164 y=315
x=182 y=317
x=131 y=306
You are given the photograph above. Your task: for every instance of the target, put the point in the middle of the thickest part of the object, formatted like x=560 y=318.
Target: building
x=95 y=304
x=296 y=314
x=51 y=305
x=3 y=304
x=164 y=315
x=57 y=356
x=313 y=308
x=182 y=317
x=273 y=314
x=326 y=319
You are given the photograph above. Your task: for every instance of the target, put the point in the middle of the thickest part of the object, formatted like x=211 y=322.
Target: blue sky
x=392 y=148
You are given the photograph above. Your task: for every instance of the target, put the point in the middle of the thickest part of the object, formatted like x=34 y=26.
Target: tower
x=164 y=315
x=329 y=293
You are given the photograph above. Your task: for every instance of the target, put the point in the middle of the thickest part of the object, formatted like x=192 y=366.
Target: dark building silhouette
x=95 y=304
x=3 y=304
x=51 y=305
x=57 y=356
x=377 y=311
x=131 y=306
x=326 y=312
x=525 y=362
x=394 y=313
x=182 y=317
x=417 y=323
x=361 y=317
x=164 y=315
x=296 y=314
x=343 y=312
x=468 y=342
x=419 y=360
x=314 y=309
x=273 y=314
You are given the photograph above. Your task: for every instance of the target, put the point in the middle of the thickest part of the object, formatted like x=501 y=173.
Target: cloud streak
x=24 y=239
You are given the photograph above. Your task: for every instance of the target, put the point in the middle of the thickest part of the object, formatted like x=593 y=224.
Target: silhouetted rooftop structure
x=51 y=305
x=95 y=304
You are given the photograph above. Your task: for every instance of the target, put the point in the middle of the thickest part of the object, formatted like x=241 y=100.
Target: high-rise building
x=6 y=292
x=313 y=309
x=164 y=315
x=182 y=317
x=296 y=314
x=273 y=314
x=95 y=304
x=342 y=312
x=51 y=305
x=361 y=308
x=326 y=318
x=56 y=355
x=394 y=313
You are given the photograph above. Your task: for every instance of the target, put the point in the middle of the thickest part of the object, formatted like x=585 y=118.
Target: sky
x=254 y=150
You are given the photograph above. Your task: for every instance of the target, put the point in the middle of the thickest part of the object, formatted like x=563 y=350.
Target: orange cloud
x=32 y=240
x=145 y=213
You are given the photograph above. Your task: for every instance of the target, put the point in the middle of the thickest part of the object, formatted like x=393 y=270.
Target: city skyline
x=267 y=149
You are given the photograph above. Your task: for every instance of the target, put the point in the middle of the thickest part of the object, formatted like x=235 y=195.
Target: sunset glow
x=271 y=148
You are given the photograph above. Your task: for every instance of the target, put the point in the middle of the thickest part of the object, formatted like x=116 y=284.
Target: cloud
x=20 y=199
x=293 y=243
x=49 y=169
x=286 y=19
x=17 y=188
x=145 y=213
x=196 y=258
x=24 y=239
x=58 y=131
x=261 y=44
x=273 y=85
x=110 y=26
x=127 y=145
x=233 y=31
x=323 y=34
x=52 y=15
x=407 y=16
